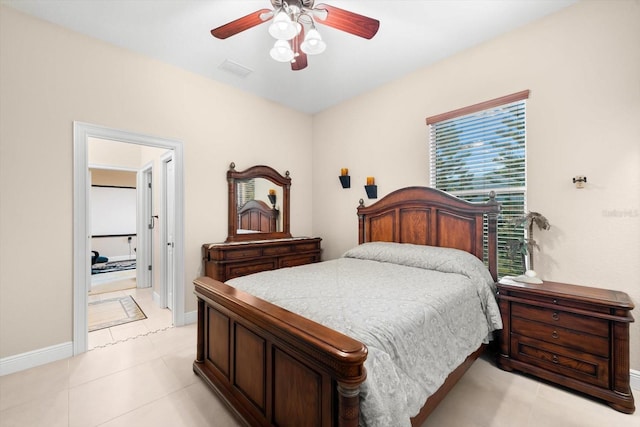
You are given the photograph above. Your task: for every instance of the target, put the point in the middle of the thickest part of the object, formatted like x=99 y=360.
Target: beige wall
x=51 y=77
x=117 y=178
x=582 y=66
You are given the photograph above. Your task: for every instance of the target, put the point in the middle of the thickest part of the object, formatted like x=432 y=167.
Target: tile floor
x=148 y=381
x=157 y=318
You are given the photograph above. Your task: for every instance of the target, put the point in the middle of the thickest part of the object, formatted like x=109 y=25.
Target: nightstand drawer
x=561 y=336
x=591 y=325
x=573 y=364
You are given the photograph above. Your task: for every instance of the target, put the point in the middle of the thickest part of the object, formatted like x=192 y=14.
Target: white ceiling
x=412 y=34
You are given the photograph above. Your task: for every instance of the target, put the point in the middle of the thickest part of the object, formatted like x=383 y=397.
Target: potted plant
x=523 y=248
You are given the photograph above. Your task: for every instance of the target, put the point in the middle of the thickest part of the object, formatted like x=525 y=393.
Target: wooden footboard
x=272 y=366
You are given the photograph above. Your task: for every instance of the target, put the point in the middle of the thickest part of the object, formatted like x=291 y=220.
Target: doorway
x=82 y=234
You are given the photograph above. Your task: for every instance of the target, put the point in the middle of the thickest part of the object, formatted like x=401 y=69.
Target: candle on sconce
x=344 y=171
x=371 y=180
x=272 y=192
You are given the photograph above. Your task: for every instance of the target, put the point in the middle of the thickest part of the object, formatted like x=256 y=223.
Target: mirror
x=258 y=204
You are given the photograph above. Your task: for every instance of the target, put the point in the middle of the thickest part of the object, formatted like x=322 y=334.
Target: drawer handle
x=554 y=335
x=555 y=316
x=554 y=359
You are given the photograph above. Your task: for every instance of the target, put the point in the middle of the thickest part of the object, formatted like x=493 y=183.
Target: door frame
x=82 y=234
x=144 y=223
x=164 y=295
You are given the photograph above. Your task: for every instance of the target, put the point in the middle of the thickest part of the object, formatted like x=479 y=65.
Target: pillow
x=445 y=260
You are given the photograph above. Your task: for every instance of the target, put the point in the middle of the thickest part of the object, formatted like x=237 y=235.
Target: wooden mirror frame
x=259 y=171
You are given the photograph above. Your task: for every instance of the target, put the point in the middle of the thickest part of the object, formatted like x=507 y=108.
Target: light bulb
x=281 y=51
x=313 y=44
x=283 y=28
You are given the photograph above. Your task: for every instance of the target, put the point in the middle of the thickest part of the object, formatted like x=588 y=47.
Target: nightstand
x=576 y=336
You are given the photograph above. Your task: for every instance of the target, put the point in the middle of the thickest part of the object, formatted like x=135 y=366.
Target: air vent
x=235 y=68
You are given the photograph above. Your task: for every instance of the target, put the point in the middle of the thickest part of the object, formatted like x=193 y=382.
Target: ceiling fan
x=294 y=28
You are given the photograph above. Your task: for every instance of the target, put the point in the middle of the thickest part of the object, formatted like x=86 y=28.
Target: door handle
x=153 y=222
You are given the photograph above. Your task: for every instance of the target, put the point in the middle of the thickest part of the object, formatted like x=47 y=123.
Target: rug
x=113 y=312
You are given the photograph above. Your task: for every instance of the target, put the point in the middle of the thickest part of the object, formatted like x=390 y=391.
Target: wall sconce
x=371 y=188
x=579 y=181
x=345 y=179
x=272 y=197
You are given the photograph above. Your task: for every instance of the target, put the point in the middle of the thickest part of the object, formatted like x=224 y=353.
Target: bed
x=275 y=367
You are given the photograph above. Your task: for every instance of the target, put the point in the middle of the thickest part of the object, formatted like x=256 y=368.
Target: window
x=481 y=148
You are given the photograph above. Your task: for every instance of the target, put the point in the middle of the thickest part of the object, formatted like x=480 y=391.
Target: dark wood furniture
x=224 y=261
x=274 y=367
x=576 y=336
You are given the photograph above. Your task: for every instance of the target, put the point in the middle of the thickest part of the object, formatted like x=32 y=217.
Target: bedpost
x=360 y=223
x=492 y=219
x=348 y=405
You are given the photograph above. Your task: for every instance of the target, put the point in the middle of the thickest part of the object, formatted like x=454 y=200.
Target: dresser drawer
x=565 y=337
x=292 y=261
x=237 y=270
x=242 y=254
x=277 y=250
x=590 y=325
x=561 y=360
x=307 y=246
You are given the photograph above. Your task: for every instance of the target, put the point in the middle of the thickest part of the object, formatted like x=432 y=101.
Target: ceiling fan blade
x=349 y=22
x=300 y=61
x=234 y=27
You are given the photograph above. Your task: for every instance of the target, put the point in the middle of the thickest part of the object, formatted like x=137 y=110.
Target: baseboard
x=190 y=317
x=635 y=379
x=31 y=359
x=156 y=298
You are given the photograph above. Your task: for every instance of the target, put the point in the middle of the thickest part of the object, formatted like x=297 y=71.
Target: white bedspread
x=420 y=311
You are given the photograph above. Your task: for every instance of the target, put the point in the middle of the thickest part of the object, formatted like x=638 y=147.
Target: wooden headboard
x=256 y=215
x=426 y=216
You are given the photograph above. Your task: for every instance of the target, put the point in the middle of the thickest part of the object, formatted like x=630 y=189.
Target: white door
x=170 y=230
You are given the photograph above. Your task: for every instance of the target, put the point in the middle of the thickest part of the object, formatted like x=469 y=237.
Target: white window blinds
x=479 y=149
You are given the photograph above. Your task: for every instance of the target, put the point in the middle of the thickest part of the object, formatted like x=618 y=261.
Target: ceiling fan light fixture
x=313 y=43
x=282 y=52
x=283 y=28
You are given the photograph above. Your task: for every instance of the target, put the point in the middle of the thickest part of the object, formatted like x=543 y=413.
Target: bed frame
x=275 y=368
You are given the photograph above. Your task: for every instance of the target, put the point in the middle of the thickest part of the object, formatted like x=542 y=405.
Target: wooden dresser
x=224 y=261
x=576 y=336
